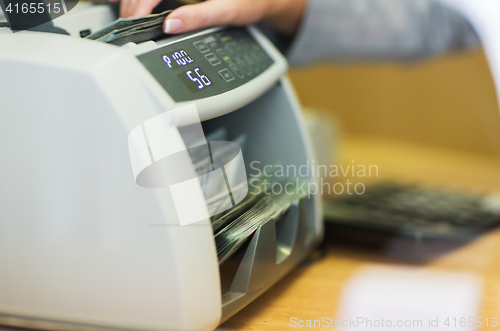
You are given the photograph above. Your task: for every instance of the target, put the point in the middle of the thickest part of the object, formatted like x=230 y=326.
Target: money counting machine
x=81 y=243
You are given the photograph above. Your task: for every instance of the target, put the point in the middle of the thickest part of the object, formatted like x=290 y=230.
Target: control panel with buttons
x=208 y=64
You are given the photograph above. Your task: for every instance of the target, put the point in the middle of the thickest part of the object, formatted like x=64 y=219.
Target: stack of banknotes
x=136 y=30
x=235 y=227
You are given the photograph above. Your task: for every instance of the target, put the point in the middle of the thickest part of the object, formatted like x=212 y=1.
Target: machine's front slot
x=276 y=244
x=264 y=259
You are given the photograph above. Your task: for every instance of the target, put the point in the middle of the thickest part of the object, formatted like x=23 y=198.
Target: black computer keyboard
x=415 y=211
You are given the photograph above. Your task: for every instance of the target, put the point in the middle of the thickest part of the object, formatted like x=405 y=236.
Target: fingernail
x=173 y=25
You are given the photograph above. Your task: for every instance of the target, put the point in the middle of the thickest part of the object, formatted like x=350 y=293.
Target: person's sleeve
x=358 y=30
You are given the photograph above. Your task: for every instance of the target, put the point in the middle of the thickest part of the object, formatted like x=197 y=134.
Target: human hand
x=282 y=15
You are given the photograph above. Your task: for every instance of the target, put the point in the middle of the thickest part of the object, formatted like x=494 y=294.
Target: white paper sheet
x=410 y=299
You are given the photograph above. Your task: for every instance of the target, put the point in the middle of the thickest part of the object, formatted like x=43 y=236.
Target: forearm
x=356 y=30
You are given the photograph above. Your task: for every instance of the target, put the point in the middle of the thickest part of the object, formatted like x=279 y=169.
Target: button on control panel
x=213 y=59
x=226 y=74
x=202 y=47
x=236 y=70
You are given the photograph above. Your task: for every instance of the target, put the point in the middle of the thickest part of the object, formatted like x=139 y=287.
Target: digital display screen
x=177 y=59
x=206 y=65
x=195 y=79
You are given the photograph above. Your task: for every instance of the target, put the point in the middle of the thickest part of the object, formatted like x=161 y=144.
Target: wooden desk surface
x=312 y=290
